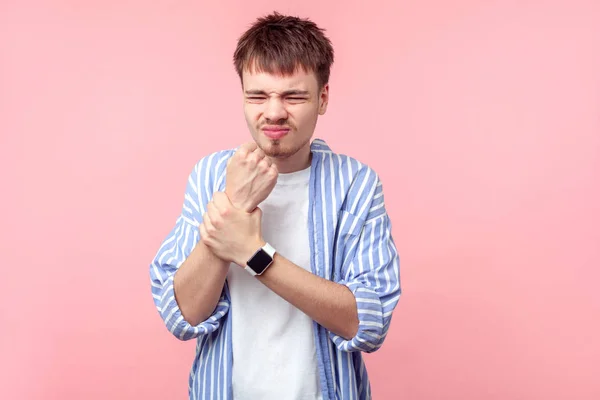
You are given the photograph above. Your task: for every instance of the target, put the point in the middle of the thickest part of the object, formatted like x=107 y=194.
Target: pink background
x=482 y=118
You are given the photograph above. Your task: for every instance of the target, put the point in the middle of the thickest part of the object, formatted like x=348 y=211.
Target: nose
x=275 y=110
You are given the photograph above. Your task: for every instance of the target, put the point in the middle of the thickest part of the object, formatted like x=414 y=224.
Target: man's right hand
x=251 y=176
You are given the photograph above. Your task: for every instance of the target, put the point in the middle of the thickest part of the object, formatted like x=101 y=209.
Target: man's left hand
x=232 y=234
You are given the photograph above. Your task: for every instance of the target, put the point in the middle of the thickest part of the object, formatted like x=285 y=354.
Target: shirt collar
x=320 y=146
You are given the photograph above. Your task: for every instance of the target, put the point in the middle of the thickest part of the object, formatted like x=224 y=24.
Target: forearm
x=328 y=303
x=198 y=283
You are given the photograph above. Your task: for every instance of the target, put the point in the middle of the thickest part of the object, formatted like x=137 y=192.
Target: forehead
x=276 y=82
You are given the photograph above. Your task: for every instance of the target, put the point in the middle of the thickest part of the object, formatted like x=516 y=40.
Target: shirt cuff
x=370 y=321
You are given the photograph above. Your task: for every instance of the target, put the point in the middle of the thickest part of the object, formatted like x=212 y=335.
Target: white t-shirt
x=274 y=352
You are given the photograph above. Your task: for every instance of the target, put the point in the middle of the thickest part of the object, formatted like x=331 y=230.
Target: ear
x=323 y=99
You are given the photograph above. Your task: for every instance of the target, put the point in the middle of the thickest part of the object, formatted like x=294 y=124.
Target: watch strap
x=269 y=249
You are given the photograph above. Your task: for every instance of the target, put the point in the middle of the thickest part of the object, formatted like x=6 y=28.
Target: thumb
x=257 y=213
x=256 y=216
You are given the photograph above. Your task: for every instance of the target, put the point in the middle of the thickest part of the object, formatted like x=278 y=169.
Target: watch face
x=260 y=261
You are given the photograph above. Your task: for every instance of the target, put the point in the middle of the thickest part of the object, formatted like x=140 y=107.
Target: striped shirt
x=351 y=244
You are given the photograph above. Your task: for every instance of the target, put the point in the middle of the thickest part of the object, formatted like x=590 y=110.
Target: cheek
x=307 y=117
x=251 y=112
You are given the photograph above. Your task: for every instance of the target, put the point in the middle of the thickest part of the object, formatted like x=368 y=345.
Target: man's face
x=281 y=113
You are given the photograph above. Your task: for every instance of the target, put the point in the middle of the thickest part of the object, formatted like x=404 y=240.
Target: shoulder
x=359 y=182
x=350 y=170
x=341 y=166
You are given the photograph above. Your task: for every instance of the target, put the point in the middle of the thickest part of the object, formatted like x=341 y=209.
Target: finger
x=216 y=200
x=253 y=159
x=221 y=202
x=209 y=225
x=274 y=169
x=250 y=146
x=256 y=214
x=263 y=166
x=259 y=153
x=268 y=161
x=212 y=212
x=203 y=233
x=247 y=148
x=206 y=220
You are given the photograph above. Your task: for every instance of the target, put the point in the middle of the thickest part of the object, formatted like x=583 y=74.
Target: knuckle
x=239 y=155
x=263 y=165
x=251 y=162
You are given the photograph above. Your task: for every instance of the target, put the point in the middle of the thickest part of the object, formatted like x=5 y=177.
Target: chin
x=277 y=152
x=274 y=149
x=279 y=148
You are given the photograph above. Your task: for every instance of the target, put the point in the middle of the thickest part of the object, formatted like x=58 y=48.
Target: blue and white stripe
x=351 y=244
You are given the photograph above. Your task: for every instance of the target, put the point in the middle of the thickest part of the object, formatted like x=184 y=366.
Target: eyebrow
x=286 y=93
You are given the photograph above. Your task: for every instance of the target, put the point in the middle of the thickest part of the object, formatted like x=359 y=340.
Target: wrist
x=240 y=205
x=249 y=250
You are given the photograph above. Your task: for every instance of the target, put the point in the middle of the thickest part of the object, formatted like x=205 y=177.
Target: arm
x=235 y=235
x=373 y=277
x=328 y=303
x=371 y=272
x=198 y=283
x=187 y=279
x=357 y=310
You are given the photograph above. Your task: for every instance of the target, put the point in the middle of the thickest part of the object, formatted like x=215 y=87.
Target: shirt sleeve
x=173 y=251
x=372 y=274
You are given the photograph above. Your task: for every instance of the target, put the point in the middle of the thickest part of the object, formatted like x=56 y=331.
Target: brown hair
x=281 y=44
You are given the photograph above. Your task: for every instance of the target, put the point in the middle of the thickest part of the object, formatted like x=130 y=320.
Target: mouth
x=275 y=132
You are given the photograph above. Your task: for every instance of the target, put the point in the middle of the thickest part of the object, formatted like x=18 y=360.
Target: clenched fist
x=250 y=177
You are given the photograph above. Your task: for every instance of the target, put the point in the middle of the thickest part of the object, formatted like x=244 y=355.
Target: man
x=281 y=264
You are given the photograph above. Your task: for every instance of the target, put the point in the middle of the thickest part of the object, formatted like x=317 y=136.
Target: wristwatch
x=261 y=260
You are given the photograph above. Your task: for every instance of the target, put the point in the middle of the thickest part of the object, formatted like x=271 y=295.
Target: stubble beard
x=277 y=149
